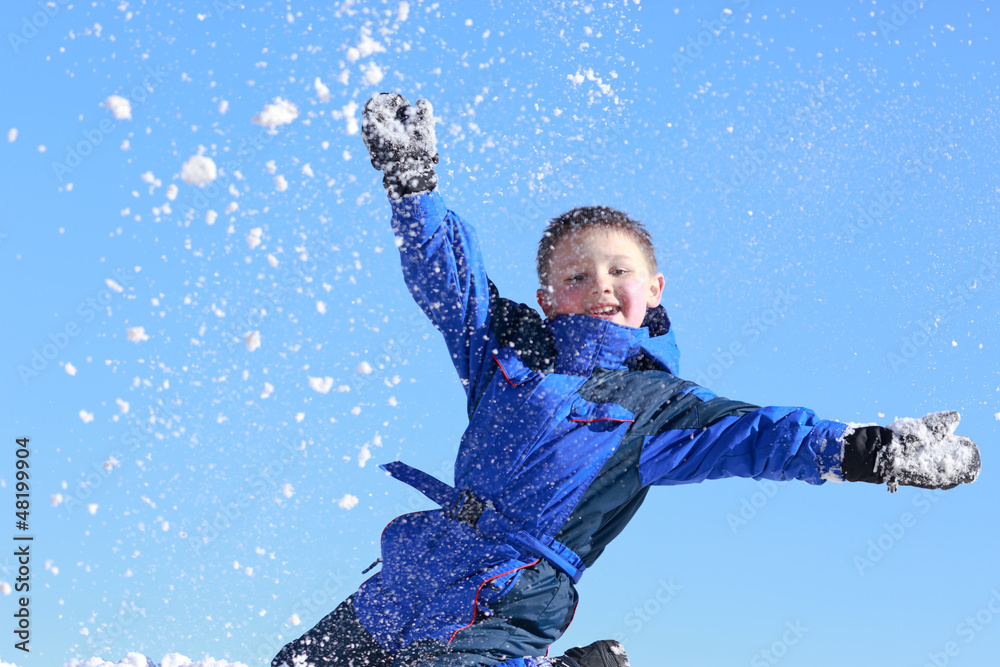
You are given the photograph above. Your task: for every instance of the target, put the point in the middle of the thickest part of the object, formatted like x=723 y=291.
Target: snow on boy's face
x=601 y=273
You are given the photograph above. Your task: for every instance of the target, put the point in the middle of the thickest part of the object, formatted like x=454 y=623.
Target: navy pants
x=523 y=623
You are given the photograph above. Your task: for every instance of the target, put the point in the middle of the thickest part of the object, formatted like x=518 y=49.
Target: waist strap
x=482 y=515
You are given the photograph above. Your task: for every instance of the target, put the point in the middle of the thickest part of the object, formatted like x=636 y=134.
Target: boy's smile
x=601 y=273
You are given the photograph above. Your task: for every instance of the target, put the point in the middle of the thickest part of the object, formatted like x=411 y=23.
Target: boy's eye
x=578 y=278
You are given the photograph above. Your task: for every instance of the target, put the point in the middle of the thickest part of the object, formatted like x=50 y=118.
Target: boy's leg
x=523 y=623
x=337 y=640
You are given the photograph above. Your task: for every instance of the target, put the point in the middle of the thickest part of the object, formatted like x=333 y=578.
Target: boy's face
x=602 y=273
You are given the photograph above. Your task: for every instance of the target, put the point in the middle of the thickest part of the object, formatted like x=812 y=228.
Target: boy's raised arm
x=708 y=437
x=440 y=255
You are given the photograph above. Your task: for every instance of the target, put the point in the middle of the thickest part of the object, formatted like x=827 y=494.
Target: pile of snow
x=133 y=659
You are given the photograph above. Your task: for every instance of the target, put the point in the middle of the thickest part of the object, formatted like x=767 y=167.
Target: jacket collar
x=584 y=343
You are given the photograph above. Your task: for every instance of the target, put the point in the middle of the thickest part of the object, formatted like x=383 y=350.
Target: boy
x=572 y=419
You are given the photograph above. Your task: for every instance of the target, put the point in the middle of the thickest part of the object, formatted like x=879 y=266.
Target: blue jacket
x=571 y=421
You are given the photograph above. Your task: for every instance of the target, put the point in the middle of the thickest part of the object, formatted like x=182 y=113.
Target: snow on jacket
x=571 y=420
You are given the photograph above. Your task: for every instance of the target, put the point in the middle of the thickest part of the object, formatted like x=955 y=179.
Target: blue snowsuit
x=571 y=421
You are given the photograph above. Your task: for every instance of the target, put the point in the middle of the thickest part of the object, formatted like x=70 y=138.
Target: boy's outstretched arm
x=440 y=255
x=702 y=436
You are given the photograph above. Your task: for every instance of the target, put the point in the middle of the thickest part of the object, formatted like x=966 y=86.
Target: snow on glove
x=603 y=653
x=921 y=452
x=401 y=142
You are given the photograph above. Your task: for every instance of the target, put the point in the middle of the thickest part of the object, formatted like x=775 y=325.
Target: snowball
x=279 y=113
x=120 y=107
x=136 y=334
x=199 y=170
x=348 y=501
x=252 y=340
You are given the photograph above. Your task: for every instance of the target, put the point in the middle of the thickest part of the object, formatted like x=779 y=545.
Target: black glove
x=921 y=452
x=401 y=142
x=603 y=653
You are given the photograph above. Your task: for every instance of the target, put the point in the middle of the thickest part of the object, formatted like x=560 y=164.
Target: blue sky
x=820 y=182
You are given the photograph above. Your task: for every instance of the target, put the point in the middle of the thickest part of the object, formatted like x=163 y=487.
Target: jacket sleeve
x=701 y=436
x=443 y=268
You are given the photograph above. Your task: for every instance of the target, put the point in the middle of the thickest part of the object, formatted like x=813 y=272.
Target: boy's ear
x=543 y=300
x=656 y=285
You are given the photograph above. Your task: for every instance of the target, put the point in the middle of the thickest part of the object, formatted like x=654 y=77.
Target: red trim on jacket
x=475 y=600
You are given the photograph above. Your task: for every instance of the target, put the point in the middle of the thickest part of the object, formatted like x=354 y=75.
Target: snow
x=252 y=340
x=12 y=134
x=281 y=112
x=87 y=417
x=348 y=501
x=322 y=385
x=136 y=334
x=70 y=368
x=199 y=170
x=133 y=659
x=928 y=449
x=253 y=239
x=321 y=90
x=119 y=106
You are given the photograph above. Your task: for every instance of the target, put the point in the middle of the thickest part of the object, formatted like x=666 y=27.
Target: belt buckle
x=468 y=509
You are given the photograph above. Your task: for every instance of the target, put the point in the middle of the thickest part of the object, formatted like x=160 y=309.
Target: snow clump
x=199 y=170
x=281 y=112
x=120 y=107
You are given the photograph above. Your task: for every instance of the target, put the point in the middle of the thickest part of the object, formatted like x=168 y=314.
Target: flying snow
x=281 y=112
x=119 y=106
x=199 y=170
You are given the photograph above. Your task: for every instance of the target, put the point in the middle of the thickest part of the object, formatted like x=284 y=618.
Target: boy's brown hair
x=585 y=218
